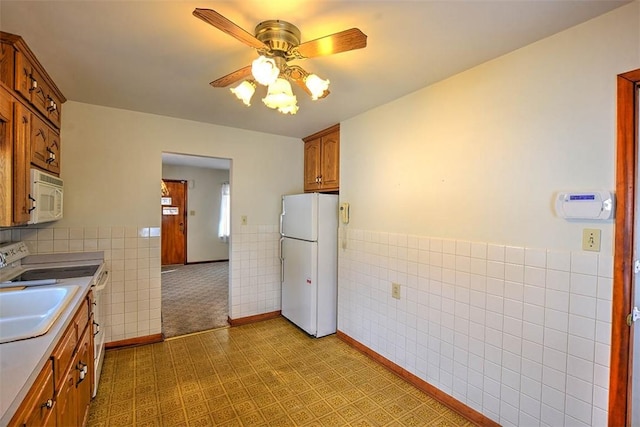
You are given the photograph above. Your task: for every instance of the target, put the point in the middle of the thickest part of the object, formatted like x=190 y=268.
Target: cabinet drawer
x=38 y=407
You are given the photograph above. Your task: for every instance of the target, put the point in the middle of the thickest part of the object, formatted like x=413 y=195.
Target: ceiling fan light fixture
x=316 y=86
x=280 y=96
x=289 y=109
x=244 y=91
x=265 y=70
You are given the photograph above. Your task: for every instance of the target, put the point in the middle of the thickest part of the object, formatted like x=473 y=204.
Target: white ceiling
x=156 y=57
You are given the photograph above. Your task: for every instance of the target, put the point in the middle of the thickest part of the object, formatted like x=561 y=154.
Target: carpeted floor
x=265 y=374
x=195 y=297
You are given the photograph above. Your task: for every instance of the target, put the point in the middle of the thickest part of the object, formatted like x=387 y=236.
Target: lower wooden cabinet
x=61 y=394
x=38 y=408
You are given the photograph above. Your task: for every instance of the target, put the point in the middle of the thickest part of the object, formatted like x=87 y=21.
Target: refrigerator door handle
x=281 y=261
x=282 y=219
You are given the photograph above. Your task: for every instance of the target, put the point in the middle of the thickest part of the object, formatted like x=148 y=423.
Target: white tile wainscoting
x=132 y=255
x=254 y=270
x=520 y=334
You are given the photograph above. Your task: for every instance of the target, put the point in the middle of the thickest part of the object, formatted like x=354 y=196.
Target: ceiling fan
x=278 y=42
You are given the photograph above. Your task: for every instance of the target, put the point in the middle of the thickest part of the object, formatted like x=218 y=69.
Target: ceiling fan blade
x=335 y=43
x=232 y=77
x=223 y=24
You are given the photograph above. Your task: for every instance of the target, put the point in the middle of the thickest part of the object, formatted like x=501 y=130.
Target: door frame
x=626 y=181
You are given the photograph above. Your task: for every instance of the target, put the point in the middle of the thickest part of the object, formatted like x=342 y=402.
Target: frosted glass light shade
x=264 y=70
x=316 y=86
x=244 y=91
x=281 y=96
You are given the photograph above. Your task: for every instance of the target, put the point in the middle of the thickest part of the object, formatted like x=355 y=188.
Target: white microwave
x=46 y=197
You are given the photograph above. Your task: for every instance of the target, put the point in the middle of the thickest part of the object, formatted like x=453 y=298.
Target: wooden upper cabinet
x=45 y=146
x=35 y=88
x=30 y=114
x=322 y=161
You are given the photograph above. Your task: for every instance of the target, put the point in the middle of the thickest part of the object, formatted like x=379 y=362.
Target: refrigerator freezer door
x=300 y=216
x=299 y=285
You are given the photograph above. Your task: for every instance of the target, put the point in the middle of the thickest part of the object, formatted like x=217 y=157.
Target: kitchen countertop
x=22 y=361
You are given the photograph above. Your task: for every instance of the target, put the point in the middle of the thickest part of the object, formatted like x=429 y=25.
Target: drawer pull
x=48 y=404
x=96 y=328
x=82 y=367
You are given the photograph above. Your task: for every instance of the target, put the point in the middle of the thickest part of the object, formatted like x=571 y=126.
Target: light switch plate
x=591 y=239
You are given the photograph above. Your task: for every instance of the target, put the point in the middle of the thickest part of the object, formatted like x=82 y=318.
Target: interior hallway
x=262 y=374
x=195 y=297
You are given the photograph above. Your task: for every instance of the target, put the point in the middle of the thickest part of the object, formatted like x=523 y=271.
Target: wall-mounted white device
x=344 y=213
x=594 y=205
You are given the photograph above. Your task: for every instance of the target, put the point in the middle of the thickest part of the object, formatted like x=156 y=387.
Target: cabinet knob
x=48 y=404
x=34 y=83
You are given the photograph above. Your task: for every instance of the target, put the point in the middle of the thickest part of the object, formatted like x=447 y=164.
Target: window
x=224 y=228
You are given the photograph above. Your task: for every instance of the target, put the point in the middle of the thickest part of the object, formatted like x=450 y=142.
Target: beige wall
x=203 y=210
x=112 y=164
x=480 y=155
x=451 y=191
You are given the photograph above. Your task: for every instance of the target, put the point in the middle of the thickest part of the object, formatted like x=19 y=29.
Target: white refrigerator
x=309 y=261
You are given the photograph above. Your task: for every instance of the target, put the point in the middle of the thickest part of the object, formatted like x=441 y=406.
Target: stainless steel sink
x=31 y=312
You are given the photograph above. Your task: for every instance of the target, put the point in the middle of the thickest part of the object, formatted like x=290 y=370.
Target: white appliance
x=46 y=197
x=309 y=261
x=592 y=205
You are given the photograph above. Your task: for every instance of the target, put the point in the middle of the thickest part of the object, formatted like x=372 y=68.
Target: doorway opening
x=195 y=284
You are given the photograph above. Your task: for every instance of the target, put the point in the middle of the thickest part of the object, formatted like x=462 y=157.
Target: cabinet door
x=45 y=146
x=21 y=160
x=84 y=375
x=330 y=173
x=39 y=93
x=6 y=155
x=39 y=143
x=23 y=76
x=312 y=158
x=6 y=64
x=53 y=150
x=67 y=406
x=38 y=407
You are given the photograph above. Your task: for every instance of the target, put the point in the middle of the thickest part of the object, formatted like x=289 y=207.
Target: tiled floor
x=263 y=374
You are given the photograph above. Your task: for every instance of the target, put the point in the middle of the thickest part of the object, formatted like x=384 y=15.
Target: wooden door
x=174 y=223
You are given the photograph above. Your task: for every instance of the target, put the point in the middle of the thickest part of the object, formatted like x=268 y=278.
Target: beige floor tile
x=263 y=374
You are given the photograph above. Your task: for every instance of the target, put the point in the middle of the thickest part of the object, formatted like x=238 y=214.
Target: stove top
x=57 y=273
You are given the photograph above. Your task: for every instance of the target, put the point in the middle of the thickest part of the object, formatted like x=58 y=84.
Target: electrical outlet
x=395 y=290
x=243 y=219
x=591 y=239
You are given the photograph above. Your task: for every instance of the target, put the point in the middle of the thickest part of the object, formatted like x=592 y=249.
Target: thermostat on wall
x=585 y=205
